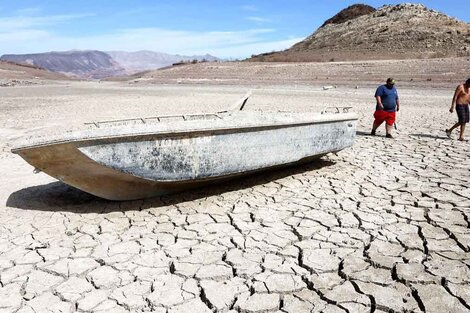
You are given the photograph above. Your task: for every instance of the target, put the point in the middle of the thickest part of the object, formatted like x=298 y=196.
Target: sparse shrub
x=422 y=37
x=438 y=54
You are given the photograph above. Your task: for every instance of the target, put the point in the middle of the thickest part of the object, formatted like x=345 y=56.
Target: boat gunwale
x=338 y=118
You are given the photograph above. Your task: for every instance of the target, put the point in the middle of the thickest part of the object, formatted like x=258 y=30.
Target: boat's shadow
x=58 y=196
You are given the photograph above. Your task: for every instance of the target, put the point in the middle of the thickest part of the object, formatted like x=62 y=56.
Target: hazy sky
x=228 y=29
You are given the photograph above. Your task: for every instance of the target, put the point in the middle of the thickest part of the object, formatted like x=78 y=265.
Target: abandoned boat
x=140 y=158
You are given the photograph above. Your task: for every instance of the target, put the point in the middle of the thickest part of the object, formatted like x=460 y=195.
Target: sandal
x=448 y=133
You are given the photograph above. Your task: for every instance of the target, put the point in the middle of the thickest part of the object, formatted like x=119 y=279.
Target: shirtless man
x=460 y=103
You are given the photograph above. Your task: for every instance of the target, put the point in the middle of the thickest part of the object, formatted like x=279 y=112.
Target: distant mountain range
x=149 y=60
x=99 y=64
x=85 y=64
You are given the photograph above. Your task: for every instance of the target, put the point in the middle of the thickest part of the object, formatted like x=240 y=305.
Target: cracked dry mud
x=380 y=227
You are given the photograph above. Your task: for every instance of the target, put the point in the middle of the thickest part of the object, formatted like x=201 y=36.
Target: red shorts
x=384 y=116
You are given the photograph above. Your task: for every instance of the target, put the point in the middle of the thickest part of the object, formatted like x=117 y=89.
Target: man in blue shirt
x=387 y=104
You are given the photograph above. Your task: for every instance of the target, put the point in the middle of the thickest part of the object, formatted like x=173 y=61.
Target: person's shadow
x=58 y=196
x=430 y=136
x=362 y=133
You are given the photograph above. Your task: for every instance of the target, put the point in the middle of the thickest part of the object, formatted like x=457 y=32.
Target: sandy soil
x=24 y=74
x=426 y=73
x=382 y=226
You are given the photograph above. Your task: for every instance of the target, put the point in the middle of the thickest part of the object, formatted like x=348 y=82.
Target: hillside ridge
x=403 y=31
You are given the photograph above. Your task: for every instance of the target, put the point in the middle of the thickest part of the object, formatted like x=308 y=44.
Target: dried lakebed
x=381 y=227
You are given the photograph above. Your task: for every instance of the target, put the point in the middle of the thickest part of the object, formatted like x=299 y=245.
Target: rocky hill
x=85 y=64
x=350 y=13
x=392 y=32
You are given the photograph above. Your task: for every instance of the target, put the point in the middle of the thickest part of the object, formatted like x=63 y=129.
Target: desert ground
x=383 y=226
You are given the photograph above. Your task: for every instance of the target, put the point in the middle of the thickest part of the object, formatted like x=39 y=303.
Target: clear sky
x=228 y=29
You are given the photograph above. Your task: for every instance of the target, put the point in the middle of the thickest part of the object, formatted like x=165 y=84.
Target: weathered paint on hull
x=104 y=182
x=148 y=165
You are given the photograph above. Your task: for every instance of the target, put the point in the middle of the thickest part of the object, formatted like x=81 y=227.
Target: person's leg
x=378 y=120
x=465 y=119
x=462 y=130
x=460 y=110
x=375 y=125
x=388 y=130
x=454 y=127
x=449 y=131
x=390 y=120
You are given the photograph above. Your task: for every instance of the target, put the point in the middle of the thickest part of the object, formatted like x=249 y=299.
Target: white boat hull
x=127 y=166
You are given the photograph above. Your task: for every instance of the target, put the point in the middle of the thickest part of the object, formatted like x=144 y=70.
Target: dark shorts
x=384 y=116
x=462 y=113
